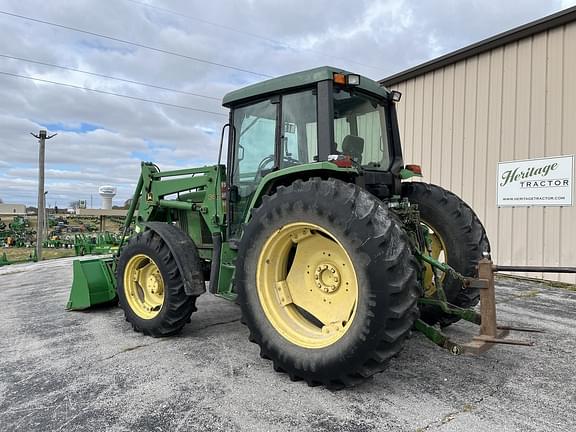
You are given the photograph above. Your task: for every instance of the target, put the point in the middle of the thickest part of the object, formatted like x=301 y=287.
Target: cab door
x=268 y=135
x=253 y=155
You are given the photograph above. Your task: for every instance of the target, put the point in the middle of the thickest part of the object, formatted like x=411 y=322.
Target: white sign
x=536 y=182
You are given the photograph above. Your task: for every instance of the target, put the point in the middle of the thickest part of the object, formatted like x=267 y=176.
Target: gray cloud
x=375 y=38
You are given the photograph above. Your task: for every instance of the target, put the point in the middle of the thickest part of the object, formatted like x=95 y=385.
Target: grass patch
x=23 y=254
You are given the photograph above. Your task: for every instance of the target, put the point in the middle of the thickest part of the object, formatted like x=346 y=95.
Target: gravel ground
x=88 y=371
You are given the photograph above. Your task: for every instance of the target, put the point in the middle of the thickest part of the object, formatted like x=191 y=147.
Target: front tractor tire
x=326 y=282
x=150 y=288
x=457 y=238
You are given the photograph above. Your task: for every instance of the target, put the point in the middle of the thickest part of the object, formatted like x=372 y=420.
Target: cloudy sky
x=102 y=138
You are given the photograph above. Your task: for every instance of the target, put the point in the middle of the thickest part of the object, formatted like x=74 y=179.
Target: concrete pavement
x=88 y=371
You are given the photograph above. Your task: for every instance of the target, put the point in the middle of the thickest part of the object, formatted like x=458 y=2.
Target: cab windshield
x=360 y=129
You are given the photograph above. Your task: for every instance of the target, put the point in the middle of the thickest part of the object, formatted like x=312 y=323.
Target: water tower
x=107 y=193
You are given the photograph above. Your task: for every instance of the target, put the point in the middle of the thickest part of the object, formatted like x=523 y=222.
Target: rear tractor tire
x=150 y=288
x=326 y=282
x=457 y=238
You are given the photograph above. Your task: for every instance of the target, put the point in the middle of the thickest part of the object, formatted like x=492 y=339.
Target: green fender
x=318 y=169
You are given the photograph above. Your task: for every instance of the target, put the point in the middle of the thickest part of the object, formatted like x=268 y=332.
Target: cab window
x=299 y=142
x=360 y=129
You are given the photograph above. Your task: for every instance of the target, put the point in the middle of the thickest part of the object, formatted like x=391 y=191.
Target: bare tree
x=127 y=204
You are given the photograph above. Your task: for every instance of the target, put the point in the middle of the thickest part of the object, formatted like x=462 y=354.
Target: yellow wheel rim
x=307 y=285
x=438 y=252
x=143 y=286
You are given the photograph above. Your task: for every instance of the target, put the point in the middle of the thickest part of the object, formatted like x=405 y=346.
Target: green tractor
x=308 y=226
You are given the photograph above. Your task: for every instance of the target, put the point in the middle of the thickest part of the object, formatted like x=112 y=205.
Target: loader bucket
x=93 y=283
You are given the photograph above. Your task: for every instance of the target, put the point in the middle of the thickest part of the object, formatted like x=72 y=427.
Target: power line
x=109 y=77
x=203 y=21
x=112 y=93
x=247 y=33
x=148 y=47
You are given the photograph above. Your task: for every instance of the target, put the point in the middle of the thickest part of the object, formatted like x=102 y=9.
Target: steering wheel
x=268 y=160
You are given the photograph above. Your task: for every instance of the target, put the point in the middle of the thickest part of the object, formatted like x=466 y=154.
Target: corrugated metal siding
x=12 y=209
x=517 y=101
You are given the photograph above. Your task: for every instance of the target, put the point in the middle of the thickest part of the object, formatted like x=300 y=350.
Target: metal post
x=42 y=137
x=487 y=299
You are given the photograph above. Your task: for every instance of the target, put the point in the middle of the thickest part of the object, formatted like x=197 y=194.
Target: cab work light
x=353 y=79
x=396 y=95
x=350 y=79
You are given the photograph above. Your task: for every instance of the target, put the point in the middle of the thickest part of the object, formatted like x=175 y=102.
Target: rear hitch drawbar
x=490 y=332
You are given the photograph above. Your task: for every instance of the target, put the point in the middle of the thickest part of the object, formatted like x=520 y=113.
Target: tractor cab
x=320 y=115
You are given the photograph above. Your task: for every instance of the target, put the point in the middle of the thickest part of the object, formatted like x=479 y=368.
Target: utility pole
x=42 y=137
x=46 y=212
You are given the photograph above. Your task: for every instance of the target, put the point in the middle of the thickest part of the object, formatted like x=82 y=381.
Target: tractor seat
x=354 y=146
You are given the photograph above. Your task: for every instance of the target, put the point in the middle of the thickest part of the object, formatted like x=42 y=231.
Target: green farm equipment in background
x=96 y=244
x=17 y=233
x=58 y=242
x=310 y=227
x=19 y=223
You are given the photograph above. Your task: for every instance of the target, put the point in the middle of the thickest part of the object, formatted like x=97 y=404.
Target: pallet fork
x=491 y=333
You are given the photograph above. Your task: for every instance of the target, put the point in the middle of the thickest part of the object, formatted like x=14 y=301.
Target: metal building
x=509 y=97
x=12 y=209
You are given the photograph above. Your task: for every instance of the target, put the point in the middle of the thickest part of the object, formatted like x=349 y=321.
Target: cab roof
x=294 y=80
